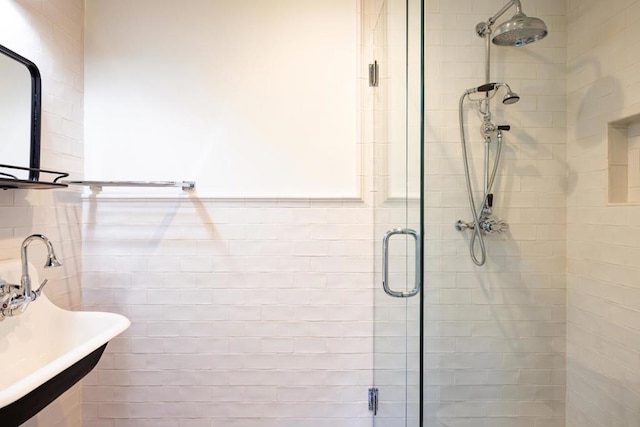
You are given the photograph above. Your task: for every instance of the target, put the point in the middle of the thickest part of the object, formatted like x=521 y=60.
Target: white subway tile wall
x=603 y=316
x=495 y=346
x=242 y=313
x=49 y=33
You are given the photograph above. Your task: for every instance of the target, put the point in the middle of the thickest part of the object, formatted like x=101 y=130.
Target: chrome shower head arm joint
x=518 y=7
x=502 y=11
x=483 y=29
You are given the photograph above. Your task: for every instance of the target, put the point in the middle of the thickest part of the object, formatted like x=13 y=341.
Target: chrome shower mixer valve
x=488 y=225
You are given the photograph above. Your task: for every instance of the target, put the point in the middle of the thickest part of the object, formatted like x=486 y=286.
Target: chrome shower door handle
x=385 y=263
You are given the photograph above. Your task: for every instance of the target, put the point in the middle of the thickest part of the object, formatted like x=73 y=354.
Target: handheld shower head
x=510 y=98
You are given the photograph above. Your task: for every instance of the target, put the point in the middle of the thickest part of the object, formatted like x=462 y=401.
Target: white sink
x=47 y=345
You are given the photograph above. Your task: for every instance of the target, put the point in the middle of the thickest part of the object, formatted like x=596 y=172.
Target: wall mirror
x=20 y=113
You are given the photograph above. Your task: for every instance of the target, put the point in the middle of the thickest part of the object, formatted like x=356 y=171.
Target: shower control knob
x=487 y=128
x=461 y=225
x=501 y=226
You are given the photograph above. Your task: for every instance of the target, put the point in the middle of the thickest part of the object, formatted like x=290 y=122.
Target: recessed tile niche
x=624 y=160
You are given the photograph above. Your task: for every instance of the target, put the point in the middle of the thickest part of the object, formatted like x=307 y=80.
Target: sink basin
x=46 y=350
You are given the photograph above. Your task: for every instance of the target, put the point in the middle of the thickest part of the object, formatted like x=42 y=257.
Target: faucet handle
x=35 y=294
x=14 y=306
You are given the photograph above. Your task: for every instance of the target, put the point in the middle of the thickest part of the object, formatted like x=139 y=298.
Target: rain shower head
x=519 y=31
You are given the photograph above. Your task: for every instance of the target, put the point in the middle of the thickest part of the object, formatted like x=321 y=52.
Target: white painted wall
x=250 y=99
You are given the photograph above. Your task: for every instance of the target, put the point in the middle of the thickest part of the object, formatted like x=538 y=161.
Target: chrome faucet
x=14 y=298
x=52 y=261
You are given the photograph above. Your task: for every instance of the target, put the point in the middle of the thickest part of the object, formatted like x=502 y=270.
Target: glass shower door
x=398 y=212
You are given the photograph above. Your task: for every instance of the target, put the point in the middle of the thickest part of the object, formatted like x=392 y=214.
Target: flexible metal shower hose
x=476 y=232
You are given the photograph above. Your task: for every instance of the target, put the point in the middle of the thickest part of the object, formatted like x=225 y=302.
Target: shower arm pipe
x=487 y=153
x=487 y=106
x=488 y=59
x=483 y=29
x=487 y=114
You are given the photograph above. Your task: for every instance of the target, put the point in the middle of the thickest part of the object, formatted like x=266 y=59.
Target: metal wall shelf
x=9 y=181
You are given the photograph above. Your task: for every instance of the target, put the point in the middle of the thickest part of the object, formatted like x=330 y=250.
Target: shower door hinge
x=373 y=74
x=373 y=400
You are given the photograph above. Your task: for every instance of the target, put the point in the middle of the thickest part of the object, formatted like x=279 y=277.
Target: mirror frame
x=36 y=111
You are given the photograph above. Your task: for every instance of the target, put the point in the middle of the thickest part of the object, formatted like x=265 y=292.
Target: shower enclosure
x=462 y=344
x=396 y=82
x=494 y=335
